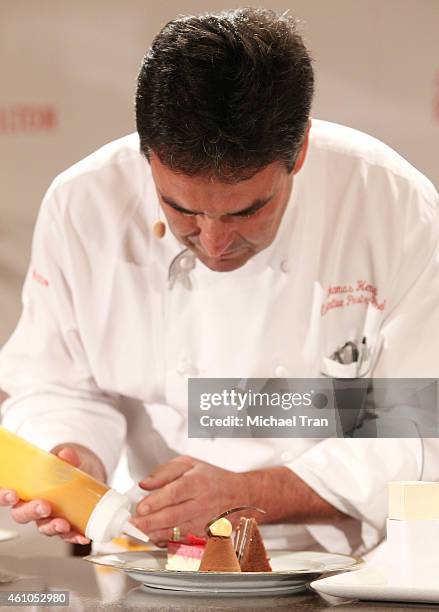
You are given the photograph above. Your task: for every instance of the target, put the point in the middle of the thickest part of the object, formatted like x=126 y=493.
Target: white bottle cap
x=110 y=518
x=131 y=530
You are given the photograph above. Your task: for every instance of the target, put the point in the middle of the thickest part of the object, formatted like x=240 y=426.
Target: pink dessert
x=185 y=555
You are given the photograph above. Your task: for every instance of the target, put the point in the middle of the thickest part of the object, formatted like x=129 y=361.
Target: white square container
x=413 y=552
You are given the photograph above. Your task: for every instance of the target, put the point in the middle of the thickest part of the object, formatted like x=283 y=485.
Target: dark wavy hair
x=225 y=94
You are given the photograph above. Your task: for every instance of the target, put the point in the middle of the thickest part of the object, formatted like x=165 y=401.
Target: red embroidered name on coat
x=40 y=278
x=352 y=294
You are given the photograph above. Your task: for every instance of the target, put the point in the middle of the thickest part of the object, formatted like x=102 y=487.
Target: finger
x=161 y=537
x=168 y=517
x=61 y=528
x=8 y=497
x=167 y=473
x=164 y=535
x=174 y=493
x=69 y=455
x=74 y=537
x=54 y=526
x=25 y=512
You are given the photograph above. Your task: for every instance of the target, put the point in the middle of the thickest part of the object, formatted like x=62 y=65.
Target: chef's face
x=225 y=224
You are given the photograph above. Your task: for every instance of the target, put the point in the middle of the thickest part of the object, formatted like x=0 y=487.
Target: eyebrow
x=248 y=210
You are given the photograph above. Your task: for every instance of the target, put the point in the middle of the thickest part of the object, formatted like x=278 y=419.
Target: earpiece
x=159 y=228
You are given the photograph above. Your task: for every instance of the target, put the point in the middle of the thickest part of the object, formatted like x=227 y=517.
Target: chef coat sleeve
x=43 y=367
x=353 y=474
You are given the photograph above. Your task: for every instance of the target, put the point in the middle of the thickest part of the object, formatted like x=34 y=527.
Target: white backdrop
x=68 y=74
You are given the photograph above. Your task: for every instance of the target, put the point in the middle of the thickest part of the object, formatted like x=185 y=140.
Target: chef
x=230 y=237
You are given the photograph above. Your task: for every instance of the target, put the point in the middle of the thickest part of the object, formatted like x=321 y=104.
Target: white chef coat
x=102 y=322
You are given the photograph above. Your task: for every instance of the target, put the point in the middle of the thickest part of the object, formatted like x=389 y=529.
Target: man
x=287 y=239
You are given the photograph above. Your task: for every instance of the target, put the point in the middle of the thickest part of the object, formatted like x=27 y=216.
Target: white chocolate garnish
x=221 y=527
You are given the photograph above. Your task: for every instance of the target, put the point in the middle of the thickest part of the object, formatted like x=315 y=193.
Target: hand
x=40 y=511
x=187 y=493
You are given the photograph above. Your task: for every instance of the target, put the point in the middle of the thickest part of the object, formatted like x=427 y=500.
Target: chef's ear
x=302 y=153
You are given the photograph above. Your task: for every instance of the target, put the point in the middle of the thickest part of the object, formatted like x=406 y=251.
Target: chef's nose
x=215 y=235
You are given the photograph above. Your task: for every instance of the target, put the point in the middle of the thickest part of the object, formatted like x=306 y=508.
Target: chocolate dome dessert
x=219 y=554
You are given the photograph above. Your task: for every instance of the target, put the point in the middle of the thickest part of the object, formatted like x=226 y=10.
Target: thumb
x=69 y=455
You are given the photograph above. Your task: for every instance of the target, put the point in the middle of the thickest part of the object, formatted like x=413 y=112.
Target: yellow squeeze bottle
x=90 y=506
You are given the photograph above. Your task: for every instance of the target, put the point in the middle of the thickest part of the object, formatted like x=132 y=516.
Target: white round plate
x=371 y=583
x=291 y=572
x=6 y=535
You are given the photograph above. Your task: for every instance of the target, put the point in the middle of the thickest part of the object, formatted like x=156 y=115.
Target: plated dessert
x=222 y=550
x=185 y=554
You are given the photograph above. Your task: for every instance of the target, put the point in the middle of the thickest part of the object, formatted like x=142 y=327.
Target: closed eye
x=180 y=209
x=252 y=210
x=255 y=207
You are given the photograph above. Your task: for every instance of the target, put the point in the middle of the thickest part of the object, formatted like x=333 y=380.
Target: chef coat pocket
x=357 y=369
x=334 y=369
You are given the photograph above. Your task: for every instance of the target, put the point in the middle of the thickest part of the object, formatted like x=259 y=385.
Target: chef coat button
x=184 y=368
x=286 y=456
x=281 y=372
x=180 y=368
x=185 y=263
x=285 y=265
